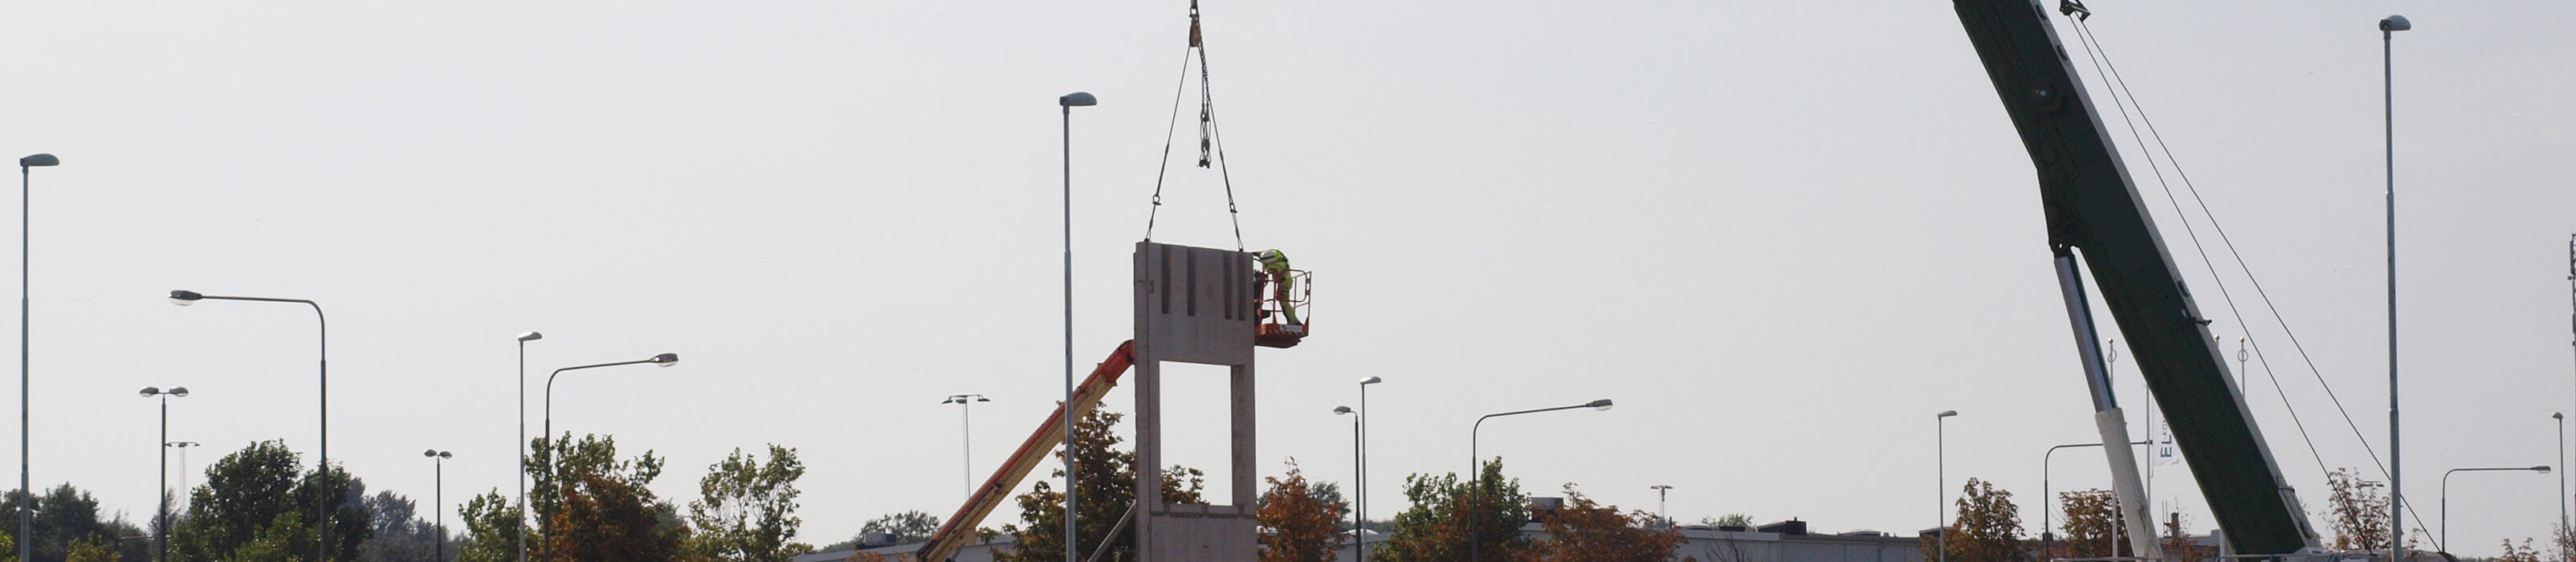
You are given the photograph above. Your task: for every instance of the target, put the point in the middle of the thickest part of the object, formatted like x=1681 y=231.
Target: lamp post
x=521 y=513
x=438 y=496
x=2388 y=28
x=1357 y=544
x=966 y=435
x=554 y=471
x=2045 y=537
x=1660 y=512
x=1476 y=467
x=26 y=508
x=322 y=462
x=161 y=514
x=2561 y=420
x=1940 y=466
x=1072 y=540
x=1359 y=488
x=2445 y=543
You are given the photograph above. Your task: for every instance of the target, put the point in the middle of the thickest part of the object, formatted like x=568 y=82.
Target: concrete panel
x=1195 y=305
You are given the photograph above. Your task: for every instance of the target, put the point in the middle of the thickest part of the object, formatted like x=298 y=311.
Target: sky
x=1780 y=236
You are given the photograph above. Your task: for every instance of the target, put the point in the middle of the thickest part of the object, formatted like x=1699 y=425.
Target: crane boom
x=2092 y=206
x=960 y=526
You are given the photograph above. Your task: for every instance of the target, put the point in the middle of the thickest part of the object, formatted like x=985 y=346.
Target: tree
x=906 y=527
x=746 y=508
x=2360 y=512
x=1450 y=518
x=620 y=514
x=489 y=520
x=2178 y=545
x=1738 y=520
x=1988 y=527
x=1300 y=526
x=401 y=535
x=65 y=518
x=2091 y=525
x=1107 y=478
x=2523 y=554
x=247 y=494
x=1584 y=531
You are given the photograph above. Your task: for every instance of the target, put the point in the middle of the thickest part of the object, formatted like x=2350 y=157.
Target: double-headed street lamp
x=1660 y=491
x=966 y=435
x=1476 y=466
x=554 y=474
x=322 y=329
x=161 y=515
x=438 y=495
x=521 y=514
x=2445 y=543
x=27 y=508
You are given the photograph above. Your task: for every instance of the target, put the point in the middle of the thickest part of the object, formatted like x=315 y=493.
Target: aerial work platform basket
x=1282 y=309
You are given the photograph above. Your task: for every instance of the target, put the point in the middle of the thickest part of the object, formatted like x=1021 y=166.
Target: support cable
x=1211 y=142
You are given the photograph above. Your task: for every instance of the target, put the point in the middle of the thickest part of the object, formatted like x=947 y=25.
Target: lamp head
x=1602 y=404
x=38 y=160
x=179 y=391
x=429 y=453
x=1077 y=99
x=446 y=455
x=1342 y=410
x=981 y=398
x=2557 y=416
x=150 y=391
x=2543 y=469
x=1947 y=413
x=666 y=359
x=531 y=336
x=1370 y=381
x=185 y=298
x=2395 y=23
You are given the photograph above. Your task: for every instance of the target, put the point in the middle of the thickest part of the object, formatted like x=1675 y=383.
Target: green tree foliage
x=246 y=497
x=1729 y=520
x=1450 y=518
x=2360 y=511
x=594 y=457
x=400 y=534
x=746 y=509
x=1298 y=526
x=1987 y=528
x=1585 y=531
x=1107 y=476
x=66 y=517
x=488 y=520
x=609 y=518
x=906 y=527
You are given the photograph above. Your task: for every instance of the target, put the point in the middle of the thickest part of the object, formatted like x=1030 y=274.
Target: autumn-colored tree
x=2565 y=540
x=1584 y=531
x=1451 y=518
x=1299 y=526
x=2178 y=545
x=1987 y=528
x=2360 y=511
x=609 y=518
x=1107 y=475
x=2091 y=527
x=746 y=510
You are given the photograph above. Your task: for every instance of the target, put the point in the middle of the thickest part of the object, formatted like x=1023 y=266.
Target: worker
x=1282 y=281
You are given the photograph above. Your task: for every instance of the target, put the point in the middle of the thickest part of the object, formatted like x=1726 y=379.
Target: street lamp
x=2445 y=543
x=1940 y=467
x=966 y=435
x=2561 y=419
x=161 y=517
x=438 y=496
x=2388 y=28
x=2045 y=537
x=182 y=446
x=27 y=508
x=1660 y=491
x=1476 y=465
x=1358 y=542
x=322 y=348
x=521 y=513
x=554 y=473
x=1068 y=102
x=1359 y=488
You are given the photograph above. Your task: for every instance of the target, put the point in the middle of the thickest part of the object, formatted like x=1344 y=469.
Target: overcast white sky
x=1781 y=236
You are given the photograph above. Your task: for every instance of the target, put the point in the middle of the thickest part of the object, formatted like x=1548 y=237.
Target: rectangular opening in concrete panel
x=1197 y=424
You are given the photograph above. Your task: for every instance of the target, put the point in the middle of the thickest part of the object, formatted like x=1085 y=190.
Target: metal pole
x=2562 y=467
x=519 y=536
x=1072 y=539
x=161 y=525
x=1356 y=540
x=438 y=502
x=27 y=504
x=2396 y=500
x=1359 y=484
x=966 y=445
x=1941 y=484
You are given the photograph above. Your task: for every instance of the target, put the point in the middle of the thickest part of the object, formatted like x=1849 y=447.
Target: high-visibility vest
x=1273 y=260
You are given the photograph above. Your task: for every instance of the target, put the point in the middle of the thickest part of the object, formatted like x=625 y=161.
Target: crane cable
x=1211 y=141
x=2101 y=60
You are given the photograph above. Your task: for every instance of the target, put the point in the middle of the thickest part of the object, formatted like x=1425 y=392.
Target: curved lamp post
x=1476 y=466
x=1940 y=469
x=322 y=462
x=1357 y=541
x=554 y=473
x=1359 y=488
x=2445 y=543
x=2388 y=27
x=161 y=514
x=1068 y=102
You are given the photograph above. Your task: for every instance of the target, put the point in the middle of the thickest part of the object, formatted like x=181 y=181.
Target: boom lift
x=2092 y=208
